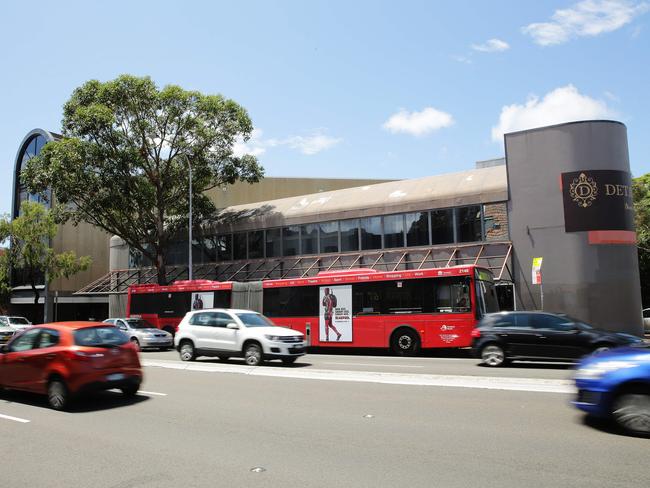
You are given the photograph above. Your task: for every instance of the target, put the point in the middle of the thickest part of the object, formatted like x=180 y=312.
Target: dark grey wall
x=596 y=283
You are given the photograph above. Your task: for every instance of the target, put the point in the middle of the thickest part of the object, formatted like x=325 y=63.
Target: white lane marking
x=152 y=393
x=375 y=364
x=15 y=419
x=484 y=382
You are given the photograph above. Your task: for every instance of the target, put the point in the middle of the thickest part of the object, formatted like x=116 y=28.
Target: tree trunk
x=161 y=268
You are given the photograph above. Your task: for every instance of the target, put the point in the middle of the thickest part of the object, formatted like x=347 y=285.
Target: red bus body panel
x=369 y=331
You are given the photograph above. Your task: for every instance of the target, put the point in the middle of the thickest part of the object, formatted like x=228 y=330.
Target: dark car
x=505 y=336
x=616 y=385
x=64 y=359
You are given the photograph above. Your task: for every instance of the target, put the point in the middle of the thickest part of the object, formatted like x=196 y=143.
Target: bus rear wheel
x=405 y=342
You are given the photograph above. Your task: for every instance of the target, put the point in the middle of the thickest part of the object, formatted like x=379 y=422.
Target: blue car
x=616 y=385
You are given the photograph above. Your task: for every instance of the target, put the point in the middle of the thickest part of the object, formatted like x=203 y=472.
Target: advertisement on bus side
x=202 y=300
x=335 y=317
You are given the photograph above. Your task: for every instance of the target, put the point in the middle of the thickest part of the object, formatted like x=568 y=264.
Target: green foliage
x=641 y=194
x=123 y=162
x=30 y=235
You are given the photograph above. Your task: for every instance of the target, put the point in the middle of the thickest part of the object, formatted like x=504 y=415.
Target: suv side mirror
x=232 y=325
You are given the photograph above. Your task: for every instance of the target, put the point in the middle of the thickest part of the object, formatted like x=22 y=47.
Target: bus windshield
x=486 y=293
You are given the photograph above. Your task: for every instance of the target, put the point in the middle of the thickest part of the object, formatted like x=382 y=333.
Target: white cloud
x=310 y=144
x=491 y=46
x=418 y=123
x=564 y=104
x=461 y=59
x=586 y=18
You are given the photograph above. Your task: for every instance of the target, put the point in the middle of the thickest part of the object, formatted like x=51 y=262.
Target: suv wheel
x=253 y=355
x=57 y=394
x=493 y=355
x=187 y=351
x=632 y=412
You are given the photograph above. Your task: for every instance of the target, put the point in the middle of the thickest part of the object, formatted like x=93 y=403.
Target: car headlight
x=272 y=338
x=598 y=370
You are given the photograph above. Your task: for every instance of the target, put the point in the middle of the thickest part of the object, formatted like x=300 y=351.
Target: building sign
x=597 y=200
x=537 y=271
x=335 y=317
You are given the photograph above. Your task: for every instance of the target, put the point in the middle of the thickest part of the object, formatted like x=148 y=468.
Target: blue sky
x=344 y=89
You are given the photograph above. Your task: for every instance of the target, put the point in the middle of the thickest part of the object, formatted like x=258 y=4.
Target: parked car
x=505 y=336
x=17 y=323
x=143 y=334
x=616 y=385
x=6 y=333
x=229 y=332
x=646 y=320
x=65 y=359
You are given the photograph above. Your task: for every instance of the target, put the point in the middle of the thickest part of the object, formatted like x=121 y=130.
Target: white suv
x=229 y=332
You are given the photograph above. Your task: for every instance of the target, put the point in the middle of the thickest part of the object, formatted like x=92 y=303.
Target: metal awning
x=494 y=256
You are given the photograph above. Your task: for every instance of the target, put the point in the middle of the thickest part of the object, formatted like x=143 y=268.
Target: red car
x=69 y=358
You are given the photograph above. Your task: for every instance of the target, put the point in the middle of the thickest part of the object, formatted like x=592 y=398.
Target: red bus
x=404 y=311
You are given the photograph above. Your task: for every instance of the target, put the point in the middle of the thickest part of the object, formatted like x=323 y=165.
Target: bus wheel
x=405 y=342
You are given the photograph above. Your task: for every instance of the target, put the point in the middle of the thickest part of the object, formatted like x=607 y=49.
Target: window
x=309 y=239
x=442 y=226
x=25 y=341
x=367 y=298
x=452 y=295
x=469 y=224
x=256 y=244
x=552 y=322
x=273 y=243
x=329 y=237
x=299 y=301
x=394 y=231
x=370 y=233
x=210 y=319
x=513 y=320
x=49 y=338
x=223 y=244
x=221 y=299
x=239 y=245
x=99 y=337
x=174 y=304
x=417 y=229
x=291 y=241
x=254 y=320
x=349 y=235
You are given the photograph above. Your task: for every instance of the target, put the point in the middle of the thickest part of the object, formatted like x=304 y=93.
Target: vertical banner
x=537 y=271
x=335 y=316
x=202 y=300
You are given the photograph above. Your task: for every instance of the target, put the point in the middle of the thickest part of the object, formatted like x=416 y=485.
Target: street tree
x=641 y=196
x=30 y=235
x=122 y=164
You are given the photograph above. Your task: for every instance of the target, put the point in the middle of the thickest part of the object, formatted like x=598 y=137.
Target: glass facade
x=435 y=227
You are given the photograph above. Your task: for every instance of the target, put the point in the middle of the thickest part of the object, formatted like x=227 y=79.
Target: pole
x=190 y=228
x=541 y=293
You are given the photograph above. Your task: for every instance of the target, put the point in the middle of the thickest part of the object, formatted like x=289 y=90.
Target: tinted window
x=25 y=341
x=256 y=244
x=417 y=229
x=18 y=320
x=309 y=239
x=442 y=226
x=174 y=304
x=99 y=336
x=273 y=243
x=239 y=245
x=349 y=235
x=137 y=324
x=518 y=320
x=329 y=237
x=393 y=231
x=207 y=319
x=290 y=241
x=48 y=338
x=469 y=224
x=224 y=247
x=452 y=295
x=299 y=301
x=552 y=322
x=370 y=233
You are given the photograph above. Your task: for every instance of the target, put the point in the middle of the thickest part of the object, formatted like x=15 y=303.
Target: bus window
x=452 y=295
x=299 y=301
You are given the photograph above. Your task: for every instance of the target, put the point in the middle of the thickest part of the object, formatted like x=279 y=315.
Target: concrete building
x=559 y=193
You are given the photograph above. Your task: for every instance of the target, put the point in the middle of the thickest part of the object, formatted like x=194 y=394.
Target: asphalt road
x=211 y=427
